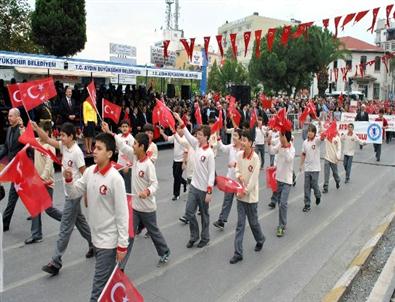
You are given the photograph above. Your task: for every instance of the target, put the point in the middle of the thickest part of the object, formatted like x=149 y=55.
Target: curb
x=342 y=285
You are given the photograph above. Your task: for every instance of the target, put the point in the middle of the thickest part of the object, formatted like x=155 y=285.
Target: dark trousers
x=52 y=212
x=260 y=150
x=377 y=150
x=12 y=199
x=127 y=179
x=347 y=163
x=178 y=179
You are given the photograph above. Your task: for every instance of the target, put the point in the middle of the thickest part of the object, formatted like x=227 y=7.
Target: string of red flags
x=286 y=33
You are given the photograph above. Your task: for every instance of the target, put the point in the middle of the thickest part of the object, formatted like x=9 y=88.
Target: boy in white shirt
x=202 y=184
x=260 y=135
x=332 y=156
x=152 y=151
x=285 y=154
x=275 y=140
x=310 y=161
x=180 y=145
x=72 y=157
x=349 y=141
x=107 y=210
x=232 y=151
x=247 y=173
x=128 y=138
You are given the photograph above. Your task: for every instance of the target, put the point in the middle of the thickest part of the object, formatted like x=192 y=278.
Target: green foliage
x=59 y=26
x=15 y=26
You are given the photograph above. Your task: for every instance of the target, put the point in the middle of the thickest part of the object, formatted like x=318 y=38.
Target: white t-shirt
x=260 y=134
x=311 y=150
x=180 y=146
x=128 y=140
x=349 y=142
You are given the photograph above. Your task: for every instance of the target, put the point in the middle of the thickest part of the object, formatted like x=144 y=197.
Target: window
x=334 y=64
x=376 y=91
x=349 y=64
x=363 y=62
x=377 y=64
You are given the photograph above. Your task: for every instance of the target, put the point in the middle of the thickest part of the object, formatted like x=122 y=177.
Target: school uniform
x=108 y=217
x=274 y=141
x=349 y=151
x=180 y=144
x=247 y=167
x=73 y=158
x=260 y=134
x=231 y=151
x=152 y=152
x=144 y=210
x=332 y=157
x=312 y=168
x=284 y=172
x=202 y=183
x=129 y=140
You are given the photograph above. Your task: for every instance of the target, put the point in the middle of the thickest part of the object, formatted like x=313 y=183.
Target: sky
x=138 y=22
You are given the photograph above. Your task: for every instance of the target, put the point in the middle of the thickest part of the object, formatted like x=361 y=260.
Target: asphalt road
x=301 y=266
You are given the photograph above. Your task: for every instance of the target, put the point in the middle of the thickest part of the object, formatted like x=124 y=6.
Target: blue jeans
x=260 y=150
x=347 y=162
x=281 y=197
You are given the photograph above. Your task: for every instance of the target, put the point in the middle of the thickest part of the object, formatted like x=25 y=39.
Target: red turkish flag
x=206 y=44
x=360 y=15
x=331 y=132
x=34 y=93
x=337 y=20
x=285 y=35
x=130 y=208
x=270 y=38
x=218 y=123
x=219 y=42
x=271 y=181
x=247 y=37
x=166 y=118
x=198 y=114
x=188 y=47
x=228 y=185
x=15 y=95
x=340 y=100
x=92 y=93
x=312 y=110
x=266 y=103
x=155 y=120
x=258 y=36
x=165 y=47
x=28 y=138
x=325 y=22
x=233 y=44
x=233 y=112
x=120 y=288
x=304 y=115
x=348 y=19
x=27 y=183
x=302 y=29
x=253 y=118
x=111 y=111
x=375 y=13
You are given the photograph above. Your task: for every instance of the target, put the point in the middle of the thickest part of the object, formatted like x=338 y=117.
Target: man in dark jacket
x=68 y=109
x=11 y=147
x=362 y=116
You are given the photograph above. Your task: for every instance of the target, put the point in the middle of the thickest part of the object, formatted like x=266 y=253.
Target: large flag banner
x=350 y=118
x=92 y=93
x=111 y=111
x=34 y=93
x=15 y=95
x=120 y=288
x=27 y=183
x=368 y=132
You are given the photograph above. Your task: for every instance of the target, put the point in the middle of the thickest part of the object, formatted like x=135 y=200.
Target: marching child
x=247 y=172
x=72 y=158
x=260 y=135
x=152 y=151
x=275 y=140
x=310 y=161
x=349 y=141
x=128 y=138
x=333 y=149
x=285 y=154
x=202 y=184
x=107 y=209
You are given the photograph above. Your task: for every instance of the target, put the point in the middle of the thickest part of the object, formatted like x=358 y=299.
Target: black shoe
x=377 y=159
x=202 y=244
x=318 y=201
x=32 y=240
x=325 y=191
x=185 y=188
x=306 y=209
x=183 y=219
x=337 y=185
x=272 y=205
x=164 y=259
x=258 y=246
x=90 y=253
x=175 y=198
x=190 y=244
x=235 y=259
x=219 y=224
x=29 y=218
x=50 y=269
x=346 y=181
x=6 y=228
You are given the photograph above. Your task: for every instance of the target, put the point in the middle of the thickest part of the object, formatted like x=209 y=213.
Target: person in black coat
x=10 y=148
x=68 y=109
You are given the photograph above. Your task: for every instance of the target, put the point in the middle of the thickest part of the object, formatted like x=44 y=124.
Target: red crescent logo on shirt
x=141 y=173
x=203 y=158
x=103 y=190
x=70 y=163
x=250 y=168
x=313 y=147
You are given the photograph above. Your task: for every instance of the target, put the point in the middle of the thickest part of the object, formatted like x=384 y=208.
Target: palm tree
x=325 y=49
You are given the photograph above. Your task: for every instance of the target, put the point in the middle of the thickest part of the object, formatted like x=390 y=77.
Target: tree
x=59 y=26
x=15 y=26
x=325 y=49
x=214 y=81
